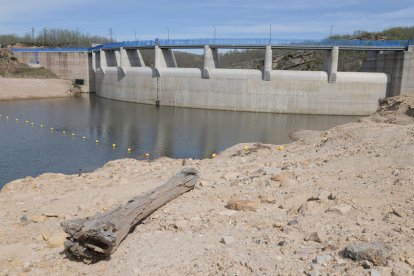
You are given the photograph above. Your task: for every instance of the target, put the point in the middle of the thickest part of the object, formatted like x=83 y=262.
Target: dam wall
x=73 y=66
x=118 y=71
x=298 y=92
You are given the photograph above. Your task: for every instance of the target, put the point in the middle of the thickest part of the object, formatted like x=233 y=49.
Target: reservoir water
x=27 y=149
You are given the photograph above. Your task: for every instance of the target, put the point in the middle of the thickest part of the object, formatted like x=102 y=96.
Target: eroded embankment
x=306 y=202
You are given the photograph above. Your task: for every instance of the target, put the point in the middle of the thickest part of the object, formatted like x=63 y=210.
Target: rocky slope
x=338 y=202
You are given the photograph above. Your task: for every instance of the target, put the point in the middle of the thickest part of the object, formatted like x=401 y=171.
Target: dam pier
x=118 y=71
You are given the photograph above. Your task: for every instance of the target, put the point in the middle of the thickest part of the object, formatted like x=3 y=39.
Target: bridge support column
x=117 y=54
x=124 y=60
x=211 y=61
x=93 y=63
x=268 y=63
x=164 y=58
x=102 y=61
x=331 y=64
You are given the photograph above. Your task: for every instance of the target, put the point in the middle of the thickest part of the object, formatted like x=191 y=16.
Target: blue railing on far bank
x=230 y=43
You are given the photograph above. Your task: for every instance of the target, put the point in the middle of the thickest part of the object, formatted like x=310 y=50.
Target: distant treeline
x=54 y=38
x=395 y=33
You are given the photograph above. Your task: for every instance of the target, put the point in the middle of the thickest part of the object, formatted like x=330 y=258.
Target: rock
x=227 y=239
x=401 y=269
x=396 y=172
x=304 y=252
x=322 y=259
x=181 y=224
x=265 y=198
x=293 y=222
x=242 y=205
x=366 y=264
x=54 y=240
x=374 y=272
x=270 y=170
x=228 y=213
x=278 y=224
x=282 y=243
x=314 y=237
x=36 y=219
x=383 y=270
x=323 y=195
x=24 y=220
x=340 y=209
x=53 y=215
x=397 y=212
x=409 y=259
x=375 y=252
x=231 y=176
x=281 y=177
x=262 y=223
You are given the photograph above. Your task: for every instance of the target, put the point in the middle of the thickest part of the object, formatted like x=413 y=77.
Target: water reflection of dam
x=165 y=131
x=182 y=132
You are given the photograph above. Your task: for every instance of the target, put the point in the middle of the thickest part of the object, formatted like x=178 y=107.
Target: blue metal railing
x=231 y=42
x=50 y=50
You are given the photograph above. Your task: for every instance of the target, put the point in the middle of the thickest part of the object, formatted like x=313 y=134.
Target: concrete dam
x=118 y=71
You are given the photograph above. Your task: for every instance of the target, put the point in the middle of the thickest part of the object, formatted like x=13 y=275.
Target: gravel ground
x=337 y=202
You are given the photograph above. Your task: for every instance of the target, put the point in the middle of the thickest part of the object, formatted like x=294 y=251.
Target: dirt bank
x=20 y=88
x=310 y=200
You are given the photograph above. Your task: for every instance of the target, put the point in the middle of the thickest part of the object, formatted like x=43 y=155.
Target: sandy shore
x=24 y=88
x=309 y=200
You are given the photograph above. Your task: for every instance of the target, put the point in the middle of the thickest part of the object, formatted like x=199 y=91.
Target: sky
x=148 y=19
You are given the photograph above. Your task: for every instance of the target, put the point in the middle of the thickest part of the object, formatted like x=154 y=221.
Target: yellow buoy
x=97 y=141
x=147 y=155
x=246 y=147
x=114 y=145
x=83 y=137
x=280 y=148
x=213 y=155
x=129 y=149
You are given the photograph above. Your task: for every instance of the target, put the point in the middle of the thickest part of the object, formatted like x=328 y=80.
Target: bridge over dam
x=118 y=71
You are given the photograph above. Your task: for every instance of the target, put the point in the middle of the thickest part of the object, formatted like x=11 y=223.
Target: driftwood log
x=94 y=238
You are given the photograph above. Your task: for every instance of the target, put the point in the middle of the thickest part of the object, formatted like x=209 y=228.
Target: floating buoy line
x=66 y=132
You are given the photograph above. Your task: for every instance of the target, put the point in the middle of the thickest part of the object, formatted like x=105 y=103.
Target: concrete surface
x=244 y=90
x=66 y=65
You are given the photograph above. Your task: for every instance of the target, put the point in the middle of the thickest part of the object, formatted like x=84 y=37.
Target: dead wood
x=94 y=238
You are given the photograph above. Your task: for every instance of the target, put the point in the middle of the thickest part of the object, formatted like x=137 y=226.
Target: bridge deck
x=359 y=45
